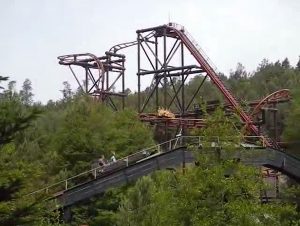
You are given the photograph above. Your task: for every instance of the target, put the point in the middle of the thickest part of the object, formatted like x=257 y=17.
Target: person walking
x=102 y=161
x=113 y=157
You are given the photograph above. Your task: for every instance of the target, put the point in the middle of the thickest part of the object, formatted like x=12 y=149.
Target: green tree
x=15 y=175
x=84 y=131
x=90 y=129
x=2 y=78
x=26 y=94
x=291 y=132
x=101 y=210
x=203 y=196
x=298 y=65
x=216 y=192
x=286 y=63
x=67 y=91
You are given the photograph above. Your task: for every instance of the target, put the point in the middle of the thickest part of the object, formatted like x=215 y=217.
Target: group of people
x=102 y=161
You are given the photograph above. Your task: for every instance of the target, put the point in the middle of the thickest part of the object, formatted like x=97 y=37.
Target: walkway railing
x=71 y=182
x=195 y=43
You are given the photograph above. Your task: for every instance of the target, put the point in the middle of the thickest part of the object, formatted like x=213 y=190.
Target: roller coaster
x=157 y=47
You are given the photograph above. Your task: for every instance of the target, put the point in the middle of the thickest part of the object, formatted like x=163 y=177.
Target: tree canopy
x=41 y=144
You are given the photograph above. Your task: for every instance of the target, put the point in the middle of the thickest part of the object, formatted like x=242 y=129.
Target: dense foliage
x=15 y=175
x=203 y=196
x=217 y=191
x=41 y=144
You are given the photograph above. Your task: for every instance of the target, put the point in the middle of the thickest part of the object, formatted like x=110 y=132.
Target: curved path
x=174 y=159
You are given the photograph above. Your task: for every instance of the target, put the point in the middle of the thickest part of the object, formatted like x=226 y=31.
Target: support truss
x=161 y=56
x=100 y=75
x=163 y=59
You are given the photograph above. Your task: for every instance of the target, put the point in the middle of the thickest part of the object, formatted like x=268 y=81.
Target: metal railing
x=67 y=183
x=195 y=43
x=170 y=145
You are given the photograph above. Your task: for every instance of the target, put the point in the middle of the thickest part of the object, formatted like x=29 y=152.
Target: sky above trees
x=34 y=33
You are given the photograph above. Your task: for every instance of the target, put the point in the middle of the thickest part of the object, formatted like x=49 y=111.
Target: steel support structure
x=204 y=66
x=162 y=57
x=100 y=76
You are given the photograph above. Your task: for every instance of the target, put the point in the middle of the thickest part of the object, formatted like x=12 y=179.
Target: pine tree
x=14 y=210
x=286 y=63
x=3 y=79
x=26 y=93
x=239 y=72
x=298 y=65
x=67 y=91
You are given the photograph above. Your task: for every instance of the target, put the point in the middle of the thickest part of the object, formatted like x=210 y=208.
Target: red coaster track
x=282 y=95
x=162 y=72
x=195 y=50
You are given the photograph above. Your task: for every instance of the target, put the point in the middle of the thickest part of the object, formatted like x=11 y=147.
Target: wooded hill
x=41 y=144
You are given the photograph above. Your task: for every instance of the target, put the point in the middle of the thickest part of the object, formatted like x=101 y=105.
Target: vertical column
x=67 y=214
x=107 y=72
x=156 y=78
x=183 y=161
x=182 y=80
x=275 y=123
x=139 y=70
x=86 y=80
x=182 y=87
x=164 y=67
x=102 y=76
x=123 y=84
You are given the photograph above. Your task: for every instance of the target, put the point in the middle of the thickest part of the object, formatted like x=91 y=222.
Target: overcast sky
x=34 y=32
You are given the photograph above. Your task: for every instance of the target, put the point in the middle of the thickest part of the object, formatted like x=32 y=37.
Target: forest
x=41 y=144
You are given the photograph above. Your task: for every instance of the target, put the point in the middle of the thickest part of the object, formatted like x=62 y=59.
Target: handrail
x=124 y=45
x=211 y=71
x=193 y=40
x=157 y=147
x=170 y=144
